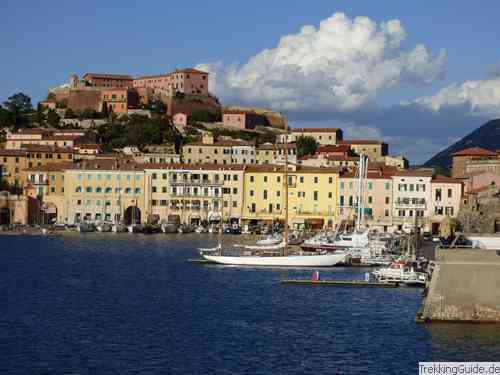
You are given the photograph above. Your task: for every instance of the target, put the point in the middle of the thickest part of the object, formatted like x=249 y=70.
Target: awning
x=298 y=221
x=214 y=216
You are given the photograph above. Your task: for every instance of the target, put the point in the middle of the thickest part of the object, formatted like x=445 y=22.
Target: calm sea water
x=132 y=304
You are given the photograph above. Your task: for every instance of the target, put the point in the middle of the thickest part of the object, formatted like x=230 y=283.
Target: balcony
x=198 y=196
x=191 y=182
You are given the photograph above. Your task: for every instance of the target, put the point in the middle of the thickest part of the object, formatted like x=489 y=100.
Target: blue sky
x=44 y=42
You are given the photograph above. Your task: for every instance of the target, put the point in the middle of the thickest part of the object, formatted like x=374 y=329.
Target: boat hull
x=327 y=260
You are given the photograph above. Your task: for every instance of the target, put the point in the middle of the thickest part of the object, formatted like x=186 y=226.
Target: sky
x=419 y=75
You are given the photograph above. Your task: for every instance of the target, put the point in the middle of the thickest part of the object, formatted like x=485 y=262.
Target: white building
x=412 y=206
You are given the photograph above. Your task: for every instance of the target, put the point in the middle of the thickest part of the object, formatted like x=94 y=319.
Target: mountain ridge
x=486 y=136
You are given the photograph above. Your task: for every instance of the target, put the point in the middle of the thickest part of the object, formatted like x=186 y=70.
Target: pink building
x=180 y=119
x=187 y=81
x=242 y=119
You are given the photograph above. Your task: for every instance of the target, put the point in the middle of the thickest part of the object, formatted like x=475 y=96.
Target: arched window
x=89 y=189
x=109 y=190
x=98 y=189
x=78 y=189
x=128 y=190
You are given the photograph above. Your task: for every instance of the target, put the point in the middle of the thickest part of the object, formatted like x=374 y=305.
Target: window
x=386 y=212
x=316 y=195
x=330 y=180
x=153 y=176
x=89 y=189
x=252 y=179
x=316 y=179
x=235 y=204
x=109 y=190
x=78 y=189
x=128 y=190
x=98 y=189
x=118 y=190
x=265 y=178
x=301 y=179
x=387 y=186
x=438 y=195
x=265 y=194
x=278 y=179
x=235 y=177
x=153 y=189
x=450 y=193
x=278 y=193
x=164 y=189
x=253 y=208
x=370 y=200
x=330 y=195
x=387 y=200
x=342 y=185
x=235 y=190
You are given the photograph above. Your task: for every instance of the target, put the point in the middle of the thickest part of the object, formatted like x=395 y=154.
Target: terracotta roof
x=33 y=131
x=13 y=152
x=194 y=167
x=332 y=148
x=445 y=180
x=107 y=164
x=414 y=173
x=370 y=175
x=219 y=144
x=61 y=137
x=360 y=142
x=152 y=76
x=52 y=167
x=315 y=130
x=30 y=147
x=474 y=151
x=480 y=189
x=189 y=70
x=108 y=76
x=342 y=158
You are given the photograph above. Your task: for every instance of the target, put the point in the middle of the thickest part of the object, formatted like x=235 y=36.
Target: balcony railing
x=191 y=182
x=192 y=195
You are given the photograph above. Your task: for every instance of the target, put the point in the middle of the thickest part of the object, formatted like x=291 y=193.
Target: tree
x=306 y=146
x=19 y=103
x=104 y=110
x=53 y=118
x=40 y=115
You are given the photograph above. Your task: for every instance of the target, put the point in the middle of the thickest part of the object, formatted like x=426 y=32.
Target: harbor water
x=132 y=304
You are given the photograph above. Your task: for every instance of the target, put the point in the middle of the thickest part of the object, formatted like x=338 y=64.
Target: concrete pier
x=464 y=287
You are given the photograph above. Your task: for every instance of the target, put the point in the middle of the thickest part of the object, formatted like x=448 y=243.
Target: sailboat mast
x=285 y=206
x=221 y=220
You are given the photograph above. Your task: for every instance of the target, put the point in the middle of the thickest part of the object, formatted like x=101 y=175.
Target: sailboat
x=277 y=255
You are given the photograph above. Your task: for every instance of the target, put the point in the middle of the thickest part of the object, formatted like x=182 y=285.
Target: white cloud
x=477 y=97
x=338 y=67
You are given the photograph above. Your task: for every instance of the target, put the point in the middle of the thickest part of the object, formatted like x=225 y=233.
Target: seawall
x=464 y=287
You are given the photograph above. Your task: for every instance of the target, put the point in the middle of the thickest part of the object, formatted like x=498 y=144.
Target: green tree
x=104 y=109
x=19 y=103
x=40 y=115
x=53 y=118
x=306 y=146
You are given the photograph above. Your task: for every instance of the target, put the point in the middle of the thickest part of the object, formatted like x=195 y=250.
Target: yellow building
x=47 y=182
x=324 y=136
x=312 y=195
x=375 y=150
x=105 y=189
x=189 y=193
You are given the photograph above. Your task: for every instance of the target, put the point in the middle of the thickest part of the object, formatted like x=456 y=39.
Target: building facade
x=324 y=136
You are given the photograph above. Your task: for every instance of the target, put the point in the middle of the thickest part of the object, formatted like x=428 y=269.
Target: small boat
x=169 y=228
x=317 y=260
x=201 y=229
x=401 y=272
x=233 y=229
x=103 y=227
x=185 y=228
x=60 y=226
x=85 y=227
x=119 y=228
x=272 y=239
